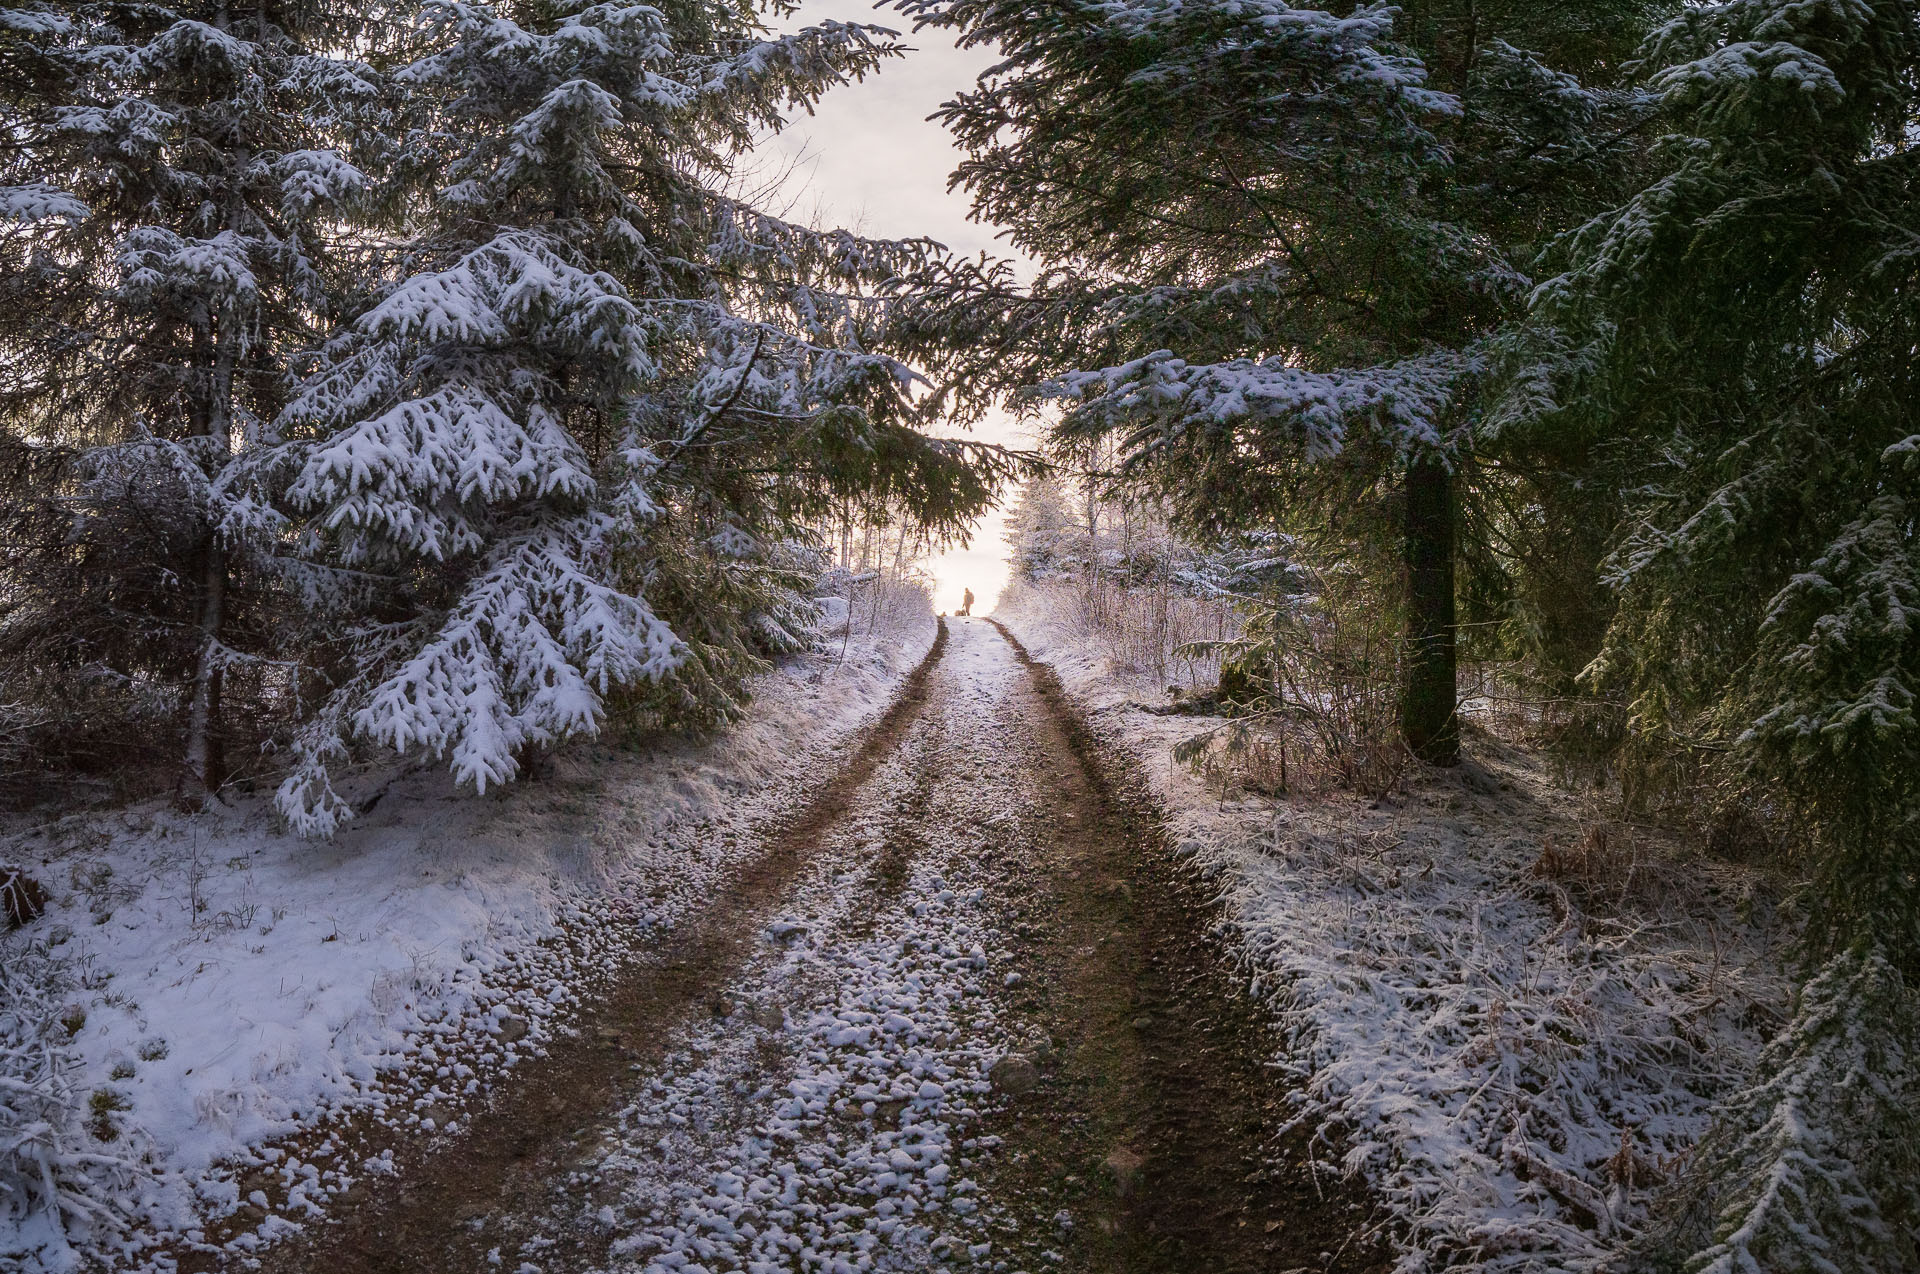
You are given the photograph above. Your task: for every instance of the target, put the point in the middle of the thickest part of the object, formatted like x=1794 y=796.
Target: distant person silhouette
x=966 y=601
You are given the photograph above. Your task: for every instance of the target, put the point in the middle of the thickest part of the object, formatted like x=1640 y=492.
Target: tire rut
x=531 y=1128
x=1157 y=1117
x=1147 y=1145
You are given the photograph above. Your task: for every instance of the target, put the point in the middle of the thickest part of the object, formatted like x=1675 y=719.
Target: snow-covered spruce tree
x=1279 y=244
x=601 y=396
x=165 y=190
x=1043 y=540
x=1814 y=1164
x=1742 y=333
x=1738 y=340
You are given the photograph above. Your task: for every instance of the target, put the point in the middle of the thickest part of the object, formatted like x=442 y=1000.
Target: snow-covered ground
x=202 y=987
x=818 y=1107
x=1506 y=1009
x=825 y=1118
x=1509 y=1011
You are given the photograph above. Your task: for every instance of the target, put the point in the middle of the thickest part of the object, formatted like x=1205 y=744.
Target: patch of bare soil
x=1151 y=1128
x=530 y=1131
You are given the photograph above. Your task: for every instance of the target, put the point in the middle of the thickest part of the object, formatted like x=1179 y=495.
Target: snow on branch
x=745 y=235
x=410 y=475
x=1726 y=56
x=38 y=201
x=792 y=70
x=1813 y=1165
x=310 y=178
x=524 y=657
x=401 y=480
x=194 y=47
x=443 y=438
x=35 y=23
x=1354 y=48
x=161 y=267
x=1163 y=397
x=1841 y=631
x=549 y=134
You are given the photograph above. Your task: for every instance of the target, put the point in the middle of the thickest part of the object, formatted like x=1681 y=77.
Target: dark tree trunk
x=199 y=779
x=1428 y=719
x=535 y=760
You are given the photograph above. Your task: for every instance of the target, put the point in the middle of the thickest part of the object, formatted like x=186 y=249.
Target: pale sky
x=871 y=161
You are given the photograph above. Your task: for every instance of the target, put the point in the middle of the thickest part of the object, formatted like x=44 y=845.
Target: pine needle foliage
x=1737 y=341
x=1814 y=1164
x=1282 y=249
x=167 y=199
x=377 y=367
x=592 y=345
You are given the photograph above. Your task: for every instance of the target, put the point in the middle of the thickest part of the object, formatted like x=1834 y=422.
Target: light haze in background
x=870 y=160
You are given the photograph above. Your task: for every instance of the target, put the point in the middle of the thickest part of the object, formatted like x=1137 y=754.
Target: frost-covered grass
x=53 y=1180
x=1514 y=1064
x=1511 y=1014
x=203 y=987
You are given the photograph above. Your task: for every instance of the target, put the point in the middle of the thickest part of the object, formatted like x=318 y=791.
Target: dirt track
x=982 y=873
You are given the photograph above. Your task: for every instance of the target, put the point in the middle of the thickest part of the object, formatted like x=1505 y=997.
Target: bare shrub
x=1314 y=679
x=1145 y=598
x=1154 y=629
x=22 y=898
x=1615 y=869
x=879 y=601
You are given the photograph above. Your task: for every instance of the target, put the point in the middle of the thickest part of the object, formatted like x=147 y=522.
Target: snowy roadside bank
x=1514 y=1014
x=205 y=987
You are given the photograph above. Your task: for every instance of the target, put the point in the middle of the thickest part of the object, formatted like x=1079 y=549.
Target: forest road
x=964 y=1012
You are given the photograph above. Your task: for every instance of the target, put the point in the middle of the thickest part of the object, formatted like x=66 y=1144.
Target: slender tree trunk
x=199 y=777
x=1428 y=717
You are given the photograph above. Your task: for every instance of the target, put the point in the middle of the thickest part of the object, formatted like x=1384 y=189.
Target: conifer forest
x=994 y=636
